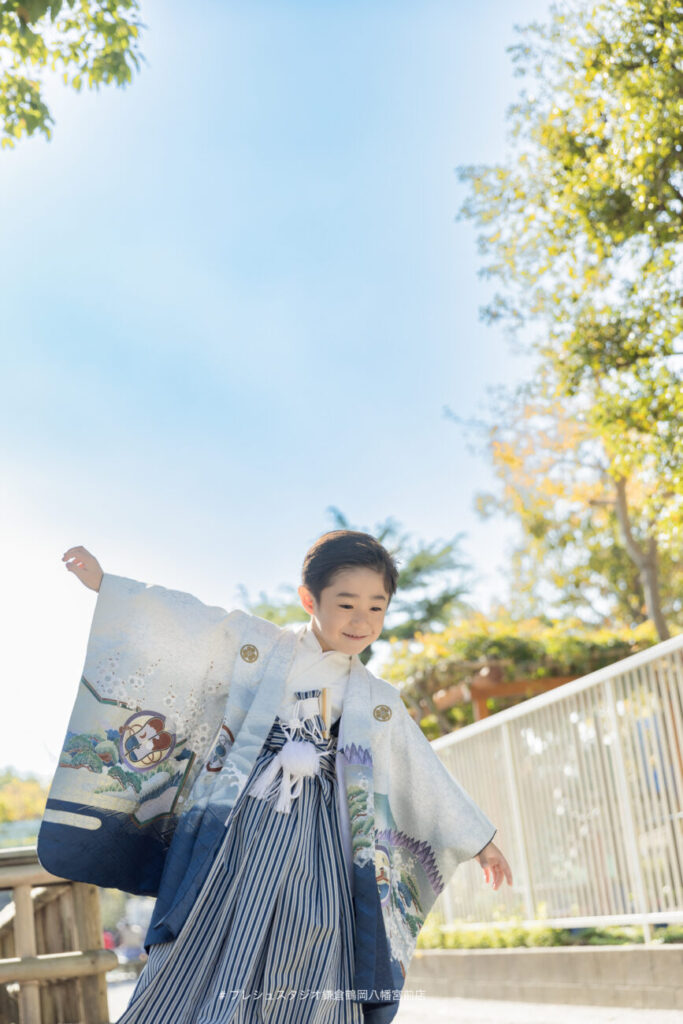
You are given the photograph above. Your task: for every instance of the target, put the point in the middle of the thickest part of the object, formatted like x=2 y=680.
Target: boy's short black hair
x=346 y=549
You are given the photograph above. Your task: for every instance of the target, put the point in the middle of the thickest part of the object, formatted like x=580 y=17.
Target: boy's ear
x=306 y=599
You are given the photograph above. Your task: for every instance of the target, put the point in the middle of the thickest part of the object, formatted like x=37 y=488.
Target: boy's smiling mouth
x=352 y=637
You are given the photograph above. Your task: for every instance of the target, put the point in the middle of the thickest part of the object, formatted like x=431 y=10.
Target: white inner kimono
x=314 y=669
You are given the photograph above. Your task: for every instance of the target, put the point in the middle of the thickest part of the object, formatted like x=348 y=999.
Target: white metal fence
x=585 y=784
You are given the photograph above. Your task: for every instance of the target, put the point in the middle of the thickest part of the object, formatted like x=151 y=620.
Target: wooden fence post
x=88 y=918
x=25 y=943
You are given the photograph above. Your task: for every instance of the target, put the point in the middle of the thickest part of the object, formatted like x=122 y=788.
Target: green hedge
x=438 y=936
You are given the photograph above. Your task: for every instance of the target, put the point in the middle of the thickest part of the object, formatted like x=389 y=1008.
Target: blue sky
x=235 y=294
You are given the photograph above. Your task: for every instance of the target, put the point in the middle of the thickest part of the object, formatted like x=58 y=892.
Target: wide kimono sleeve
x=148 y=708
x=426 y=824
x=434 y=799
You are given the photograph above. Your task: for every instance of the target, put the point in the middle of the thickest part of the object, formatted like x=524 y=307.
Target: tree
x=572 y=558
x=94 y=41
x=584 y=231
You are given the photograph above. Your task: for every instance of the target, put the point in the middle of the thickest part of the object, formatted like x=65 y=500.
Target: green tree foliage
x=94 y=42
x=530 y=648
x=555 y=481
x=583 y=232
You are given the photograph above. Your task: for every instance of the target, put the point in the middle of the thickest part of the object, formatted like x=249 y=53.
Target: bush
x=672 y=933
x=436 y=935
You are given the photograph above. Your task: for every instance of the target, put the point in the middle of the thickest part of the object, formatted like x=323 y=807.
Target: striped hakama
x=270 y=937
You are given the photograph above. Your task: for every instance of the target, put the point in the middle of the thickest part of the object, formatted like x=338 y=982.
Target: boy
x=231 y=682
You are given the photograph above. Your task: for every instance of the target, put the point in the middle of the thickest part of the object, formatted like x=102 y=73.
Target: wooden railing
x=52 y=964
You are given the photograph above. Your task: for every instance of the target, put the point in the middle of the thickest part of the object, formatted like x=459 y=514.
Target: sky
x=234 y=295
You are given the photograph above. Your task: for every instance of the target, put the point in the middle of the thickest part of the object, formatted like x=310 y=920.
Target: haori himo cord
x=276 y=796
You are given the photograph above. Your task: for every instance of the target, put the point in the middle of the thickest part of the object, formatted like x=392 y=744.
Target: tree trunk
x=644 y=560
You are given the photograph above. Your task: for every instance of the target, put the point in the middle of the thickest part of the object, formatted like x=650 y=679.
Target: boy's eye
x=351 y=606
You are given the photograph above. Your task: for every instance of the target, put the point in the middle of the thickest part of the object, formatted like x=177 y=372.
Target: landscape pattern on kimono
x=98 y=752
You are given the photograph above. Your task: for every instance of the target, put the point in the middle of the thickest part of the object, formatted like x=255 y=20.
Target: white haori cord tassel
x=297 y=759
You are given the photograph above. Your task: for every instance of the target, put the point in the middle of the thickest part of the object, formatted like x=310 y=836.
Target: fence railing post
x=520 y=841
x=625 y=810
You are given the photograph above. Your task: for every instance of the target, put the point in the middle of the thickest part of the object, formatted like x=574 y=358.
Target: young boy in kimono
x=291 y=858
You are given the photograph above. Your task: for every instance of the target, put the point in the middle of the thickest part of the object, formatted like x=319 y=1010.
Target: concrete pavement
x=501 y=1011
x=425 y=1010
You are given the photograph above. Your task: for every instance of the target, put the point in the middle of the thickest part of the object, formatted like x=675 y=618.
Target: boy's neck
x=320 y=639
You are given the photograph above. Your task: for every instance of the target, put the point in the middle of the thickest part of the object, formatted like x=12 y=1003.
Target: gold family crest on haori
x=382 y=712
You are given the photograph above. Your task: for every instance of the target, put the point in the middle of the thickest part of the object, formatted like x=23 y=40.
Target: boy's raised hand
x=85 y=566
x=495 y=865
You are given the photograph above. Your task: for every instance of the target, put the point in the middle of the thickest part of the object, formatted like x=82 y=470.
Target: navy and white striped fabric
x=270 y=937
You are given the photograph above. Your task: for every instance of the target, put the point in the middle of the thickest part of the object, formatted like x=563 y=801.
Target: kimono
x=173 y=706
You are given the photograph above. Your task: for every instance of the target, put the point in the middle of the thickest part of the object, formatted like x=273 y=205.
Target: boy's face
x=350 y=613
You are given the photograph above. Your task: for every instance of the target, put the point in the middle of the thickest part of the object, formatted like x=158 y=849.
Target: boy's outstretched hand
x=495 y=865
x=85 y=566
